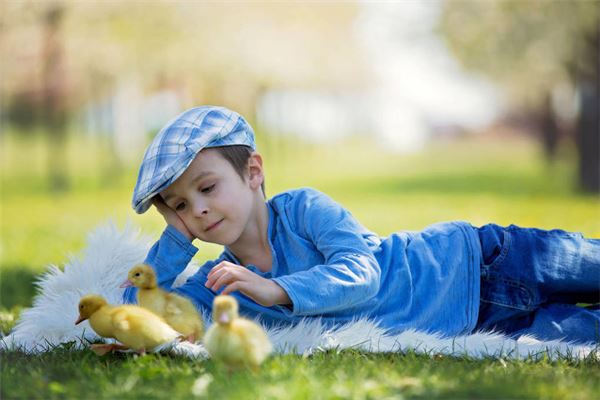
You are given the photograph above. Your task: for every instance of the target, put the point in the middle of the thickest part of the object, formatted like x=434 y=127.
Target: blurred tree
x=213 y=51
x=20 y=75
x=205 y=52
x=531 y=48
x=54 y=92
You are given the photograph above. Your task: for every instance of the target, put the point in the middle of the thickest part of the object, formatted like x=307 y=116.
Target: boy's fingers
x=235 y=286
x=219 y=267
x=224 y=280
x=223 y=277
x=228 y=277
x=213 y=276
x=214 y=279
x=214 y=270
x=171 y=216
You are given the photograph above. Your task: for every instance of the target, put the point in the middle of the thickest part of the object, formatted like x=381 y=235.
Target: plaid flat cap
x=177 y=144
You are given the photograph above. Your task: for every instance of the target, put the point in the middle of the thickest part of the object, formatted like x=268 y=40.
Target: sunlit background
x=407 y=112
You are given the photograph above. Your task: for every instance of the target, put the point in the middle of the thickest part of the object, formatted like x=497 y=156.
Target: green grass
x=348 y=374
x=479 y=180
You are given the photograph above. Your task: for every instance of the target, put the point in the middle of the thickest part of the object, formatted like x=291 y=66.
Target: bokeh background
x=408 y=112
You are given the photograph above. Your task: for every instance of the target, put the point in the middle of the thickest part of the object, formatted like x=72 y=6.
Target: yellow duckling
x=235 y=341
x=137 y=328
x=178 y=311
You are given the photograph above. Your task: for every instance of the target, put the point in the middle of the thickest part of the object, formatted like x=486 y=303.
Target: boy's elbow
x=371 y=278
x=372 y=285
x=364 y=288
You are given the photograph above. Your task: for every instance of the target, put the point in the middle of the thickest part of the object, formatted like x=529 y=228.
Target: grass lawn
x=349 y=374
x=479 y=180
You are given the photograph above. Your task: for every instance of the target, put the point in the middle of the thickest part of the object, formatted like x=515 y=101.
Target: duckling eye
x=137 y=274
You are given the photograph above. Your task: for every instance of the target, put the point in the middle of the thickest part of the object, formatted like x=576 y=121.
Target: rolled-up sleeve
x=350 y=273
x=169 y=256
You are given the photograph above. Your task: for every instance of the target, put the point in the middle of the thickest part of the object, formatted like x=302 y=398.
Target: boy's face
x=213 y=201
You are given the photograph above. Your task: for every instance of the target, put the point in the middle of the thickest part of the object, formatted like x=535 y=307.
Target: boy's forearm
x=280 y=296
x=328 y=288
x=170 y=256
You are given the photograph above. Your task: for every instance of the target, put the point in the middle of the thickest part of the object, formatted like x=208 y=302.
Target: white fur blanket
x=109 y=255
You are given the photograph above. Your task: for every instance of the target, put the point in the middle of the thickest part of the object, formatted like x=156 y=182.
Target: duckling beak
x=224 y=318
x=126 y=284
x=80 y=319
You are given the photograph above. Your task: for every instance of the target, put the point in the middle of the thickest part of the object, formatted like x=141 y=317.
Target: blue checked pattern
x=177 y=144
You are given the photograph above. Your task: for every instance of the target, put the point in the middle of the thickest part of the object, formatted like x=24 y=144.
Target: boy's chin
x=222 y=240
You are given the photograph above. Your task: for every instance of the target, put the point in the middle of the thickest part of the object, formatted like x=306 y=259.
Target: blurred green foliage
x=222 y=52
x=544 y=55
x=529 y=47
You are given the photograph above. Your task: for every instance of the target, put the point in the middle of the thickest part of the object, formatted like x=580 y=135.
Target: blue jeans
x=533 y=282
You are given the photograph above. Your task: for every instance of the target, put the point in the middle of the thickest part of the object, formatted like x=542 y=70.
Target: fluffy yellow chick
x=137 y=328
x=178 y=311
x=235 y=341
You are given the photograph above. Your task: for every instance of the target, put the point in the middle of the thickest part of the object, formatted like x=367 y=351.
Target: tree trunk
x=548 y=128
x=588 y=137
x=588 y=127
x=55 y=99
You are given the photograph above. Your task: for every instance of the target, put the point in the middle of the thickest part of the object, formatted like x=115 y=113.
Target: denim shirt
x=335 y=269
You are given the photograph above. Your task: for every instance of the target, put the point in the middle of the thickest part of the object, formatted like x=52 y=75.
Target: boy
x=300 y=254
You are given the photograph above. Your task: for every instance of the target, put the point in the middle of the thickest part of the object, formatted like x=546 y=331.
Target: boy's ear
x=255 y=171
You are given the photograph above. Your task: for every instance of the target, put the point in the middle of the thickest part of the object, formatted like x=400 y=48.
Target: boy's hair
x=238 y=156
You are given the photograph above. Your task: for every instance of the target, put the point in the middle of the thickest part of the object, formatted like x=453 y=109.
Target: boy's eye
x=180 y=207
x=208 y=189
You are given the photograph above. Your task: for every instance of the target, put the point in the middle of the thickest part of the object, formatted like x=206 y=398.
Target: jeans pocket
x=498 y=290
x=491 y=264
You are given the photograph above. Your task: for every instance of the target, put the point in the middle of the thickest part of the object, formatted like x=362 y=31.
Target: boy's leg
x=560 y=266
x=525 y=269
x=564 y=321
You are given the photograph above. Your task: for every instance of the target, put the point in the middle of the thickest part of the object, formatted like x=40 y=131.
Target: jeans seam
x=503 y=252
x=522 y=308
x=532 y=300
x=506 y=245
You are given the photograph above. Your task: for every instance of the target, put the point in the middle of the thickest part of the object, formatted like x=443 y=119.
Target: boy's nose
x=200 y=209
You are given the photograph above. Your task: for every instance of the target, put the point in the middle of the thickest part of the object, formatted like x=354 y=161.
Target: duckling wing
x=225 y=345
x=154 y=300
x=256 y=342
x=141 y=329
x=178 y=304
x=172 y=309
x=101 y=322
x=120 y=321
x=183 y=316
x=122 y=324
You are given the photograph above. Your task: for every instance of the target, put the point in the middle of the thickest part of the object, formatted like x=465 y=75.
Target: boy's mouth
x=210 y=227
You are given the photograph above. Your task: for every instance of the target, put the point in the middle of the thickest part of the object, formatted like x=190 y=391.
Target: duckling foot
x=102 y=349
x=188 y=338
x=191 y=338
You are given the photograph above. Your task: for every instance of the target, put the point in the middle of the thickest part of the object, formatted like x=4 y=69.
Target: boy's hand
x=171 y=217
x=235 y=277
